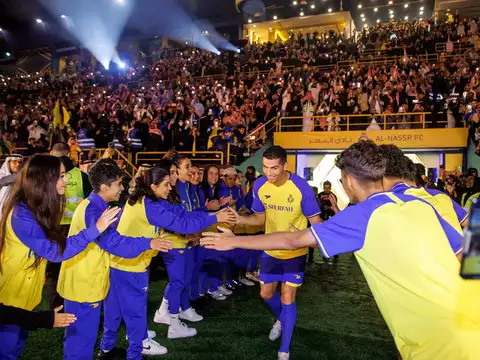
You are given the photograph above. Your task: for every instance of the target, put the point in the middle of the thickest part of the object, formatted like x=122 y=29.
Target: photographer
x=327 y=201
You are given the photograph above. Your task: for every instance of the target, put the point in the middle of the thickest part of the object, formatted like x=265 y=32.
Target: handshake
x=227 y=216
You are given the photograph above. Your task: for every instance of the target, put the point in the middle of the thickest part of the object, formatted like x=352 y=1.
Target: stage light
x=301 y=13
x=363 y=19
x=421 y=12
x=254 y=26
x=378 y=21
x=390 y=2
x=390 y=11
x=406 y=17
x=219 y=53
x=421 y=8
x=120 y=2
x=249 y=21
x=7 y=53
x=375 y=9
x=121 y=65
x=39 y=21
x=275 y=17
x=405 y=6
x=295 y=3
x=1 y=29
x=312 y=6
x=392 y=16
x=365 y=25
x=63 y=16
x=238 y=51
x=329 y=9
x=359 y=6
x=362 y=15
x=186 y=42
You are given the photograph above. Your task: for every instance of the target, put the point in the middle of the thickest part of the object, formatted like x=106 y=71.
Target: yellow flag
x=57 y=117
x=66 y=116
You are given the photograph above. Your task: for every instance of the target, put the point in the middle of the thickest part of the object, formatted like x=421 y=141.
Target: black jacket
x=29 y=320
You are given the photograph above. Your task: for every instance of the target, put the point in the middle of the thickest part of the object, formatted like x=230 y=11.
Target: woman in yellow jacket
x=30 y=236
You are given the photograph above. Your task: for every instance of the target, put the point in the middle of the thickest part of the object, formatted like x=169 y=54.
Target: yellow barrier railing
x=144 y=156
x=262 y=131
x=416 y=120
x=130 y=172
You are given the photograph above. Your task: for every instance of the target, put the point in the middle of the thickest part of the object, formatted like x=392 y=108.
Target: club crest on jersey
x=290 y=199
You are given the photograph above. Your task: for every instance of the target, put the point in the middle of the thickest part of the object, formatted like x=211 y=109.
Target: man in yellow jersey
x=405 y=252
x=84 y=279
x=281 y=198
x=399 y=169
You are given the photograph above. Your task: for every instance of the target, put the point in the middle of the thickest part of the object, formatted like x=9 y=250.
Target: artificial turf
x=337 y=319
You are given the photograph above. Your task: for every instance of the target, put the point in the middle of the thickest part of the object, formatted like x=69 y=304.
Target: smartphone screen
x=470 y=268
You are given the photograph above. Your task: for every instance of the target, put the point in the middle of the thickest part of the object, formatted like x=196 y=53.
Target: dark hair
x=395 y=166
x=419 y=173
x=251 y=168
x=166 y=164
x=410 y=170
x=327 y=183
x=104 y=172
x=206 y=186
x=276 y=152
x=143 y=184
x=36 y=186
x=178 y=159
x=363 y=160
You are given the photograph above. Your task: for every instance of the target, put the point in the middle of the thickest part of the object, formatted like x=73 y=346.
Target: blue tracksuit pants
x=127 y=300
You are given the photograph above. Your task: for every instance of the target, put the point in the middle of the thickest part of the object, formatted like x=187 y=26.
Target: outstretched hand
x=62 y=319
x=228 y=216
x=108 y=217
x=161 y=244
x=221 y=241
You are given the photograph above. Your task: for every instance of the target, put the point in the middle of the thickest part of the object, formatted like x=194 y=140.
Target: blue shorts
x=288 y=271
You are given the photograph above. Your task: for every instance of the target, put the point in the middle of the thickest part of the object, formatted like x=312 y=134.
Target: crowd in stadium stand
x=175 y=99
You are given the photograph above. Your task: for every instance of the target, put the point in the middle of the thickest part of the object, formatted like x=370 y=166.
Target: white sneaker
x=151 y=347
x=217 y=295
x=150 y=335
x=190 y=315
x=283 y=355
x=276 y=332
x=223 y=290
x=179 y=330
x=161 y=317
x=245 y=281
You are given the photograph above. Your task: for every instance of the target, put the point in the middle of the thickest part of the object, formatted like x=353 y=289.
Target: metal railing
x=262 y=131
x=458 y=46
x=154 y=156
x=360 y=122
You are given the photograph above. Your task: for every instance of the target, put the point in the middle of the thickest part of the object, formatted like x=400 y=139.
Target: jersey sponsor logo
x=297 y=277
x=95 y=305
x=181 y=251
x=278 y=207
